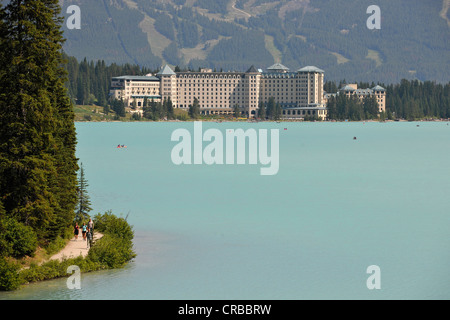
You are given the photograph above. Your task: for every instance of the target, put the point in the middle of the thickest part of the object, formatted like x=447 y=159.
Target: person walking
x=91 y=226
x=83 y=230
x=76 y=230
x=89 y=236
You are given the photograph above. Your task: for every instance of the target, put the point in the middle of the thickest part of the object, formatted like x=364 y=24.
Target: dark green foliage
x=168 y=106
x=216 y=6
x=115 y=248
x=262 y=110
x=236 y=111
x=414 y=100
x=83 y=206
x=273 y=110
x=55 y=269
x=115 y=226
x=112 y=252
x=408 y=100
x=172 y=54
x=4 y=247
x=9 y=277
x=343 y=107
x=188 y=35
x=136 y=116
x=156 y=110
x=37 y=133
x=119 y=107
x=240 y=4
x=194 y=109
x=164 y=25
x=21 y=239
x=230 y=55
x=89 y=82
x=209 y=34
x=370 y=107
x=109 y=29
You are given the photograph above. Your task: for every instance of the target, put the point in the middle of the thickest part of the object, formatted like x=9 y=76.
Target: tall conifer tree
x=84 y=203
x=37 y=134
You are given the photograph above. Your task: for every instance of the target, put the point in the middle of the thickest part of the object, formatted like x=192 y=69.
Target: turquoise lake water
x=336 y=206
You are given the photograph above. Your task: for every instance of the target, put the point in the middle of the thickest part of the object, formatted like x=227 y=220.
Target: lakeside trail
x=75 y=248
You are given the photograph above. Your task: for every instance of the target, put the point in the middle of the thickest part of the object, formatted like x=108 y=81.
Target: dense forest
x=332 y=35
x=37 y=146
x=88 y=82
x=38 y=166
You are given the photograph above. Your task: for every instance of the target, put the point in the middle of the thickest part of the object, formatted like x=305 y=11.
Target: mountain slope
x=233 y=34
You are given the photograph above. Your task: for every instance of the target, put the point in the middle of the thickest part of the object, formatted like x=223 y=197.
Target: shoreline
x=268 y=121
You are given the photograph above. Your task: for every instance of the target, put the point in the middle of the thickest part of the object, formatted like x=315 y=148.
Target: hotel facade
x=299 y=93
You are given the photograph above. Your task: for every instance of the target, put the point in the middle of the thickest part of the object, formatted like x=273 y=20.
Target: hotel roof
x=278 y=66
x=252 y=69
x=348 y=88
x=137 y=78
x=378 y=88
x=311 y=69
x=166 y=71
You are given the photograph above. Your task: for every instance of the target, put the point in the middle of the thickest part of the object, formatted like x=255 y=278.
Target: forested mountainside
x=234 y=34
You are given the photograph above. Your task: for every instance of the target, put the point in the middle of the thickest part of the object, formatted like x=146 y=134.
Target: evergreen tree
x=169 y=109
x=3 y=243
x=236 y=111
x=147 y=109
x=277 y=112
x=154 y=110
x=162 y=108
x=194 y=109
x=332 y=108
x=37 y=133
x=119 y=107
x=106 y=109
x=84 y=203
x=370 y=107
x=271 y=108
x=262 y=110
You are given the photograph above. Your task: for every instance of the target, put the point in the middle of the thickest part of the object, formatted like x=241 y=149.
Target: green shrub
x=56 y=269
x=9 y=277
x=56 y=245
x=115 y=248
x=21 y=239
x=111 y=252
x=4 y=247
x=101 y=221
x=113 y=225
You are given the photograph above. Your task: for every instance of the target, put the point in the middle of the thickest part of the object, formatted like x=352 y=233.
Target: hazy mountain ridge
x=233 y=34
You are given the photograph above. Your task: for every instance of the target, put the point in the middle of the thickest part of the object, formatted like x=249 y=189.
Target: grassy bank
x=95 y=113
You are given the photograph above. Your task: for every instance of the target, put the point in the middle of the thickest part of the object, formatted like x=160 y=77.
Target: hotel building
x=299 y=93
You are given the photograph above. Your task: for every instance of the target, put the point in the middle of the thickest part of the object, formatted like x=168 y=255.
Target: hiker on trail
x=76 y=230
x=89 y=238
x=83 y=229
x=91 y=226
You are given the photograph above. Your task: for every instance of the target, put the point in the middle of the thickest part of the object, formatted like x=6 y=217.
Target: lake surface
x=336 y=207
